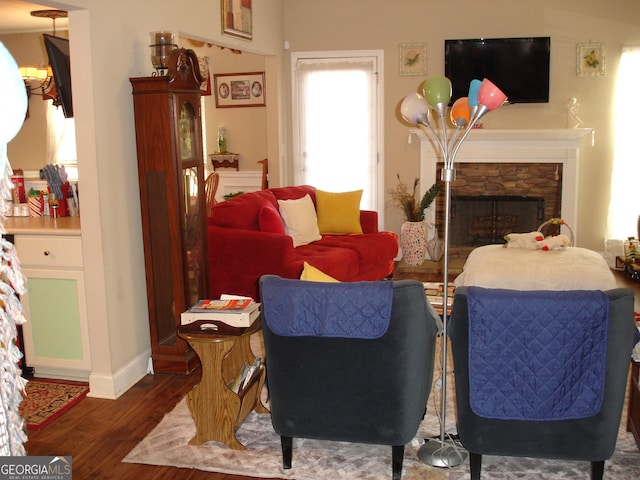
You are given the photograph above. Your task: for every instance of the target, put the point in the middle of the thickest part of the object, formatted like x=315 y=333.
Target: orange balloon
x=459 y=112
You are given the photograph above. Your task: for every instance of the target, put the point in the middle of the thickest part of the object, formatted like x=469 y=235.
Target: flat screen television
x=58 y=52
x=518 y=66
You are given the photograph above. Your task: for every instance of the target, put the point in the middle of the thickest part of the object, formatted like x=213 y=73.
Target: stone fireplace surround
x=536 y=162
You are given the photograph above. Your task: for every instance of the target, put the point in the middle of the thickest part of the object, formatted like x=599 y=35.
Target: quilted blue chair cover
x=536 y=355
x=342 y=366
x=591 y=438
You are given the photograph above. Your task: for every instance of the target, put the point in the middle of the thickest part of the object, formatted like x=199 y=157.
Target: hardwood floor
x=99 y=433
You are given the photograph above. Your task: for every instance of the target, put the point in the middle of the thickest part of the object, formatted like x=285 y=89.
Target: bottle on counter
x=53 y=205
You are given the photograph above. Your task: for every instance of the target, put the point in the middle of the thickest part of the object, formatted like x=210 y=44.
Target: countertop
x=42 y=226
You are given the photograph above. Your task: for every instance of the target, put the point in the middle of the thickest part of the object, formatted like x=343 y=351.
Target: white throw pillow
x=300 y=220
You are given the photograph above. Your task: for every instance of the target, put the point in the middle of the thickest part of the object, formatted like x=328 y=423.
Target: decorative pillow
x=312 y=274
x=339 y=212
x=300 y=221
x=269 y=219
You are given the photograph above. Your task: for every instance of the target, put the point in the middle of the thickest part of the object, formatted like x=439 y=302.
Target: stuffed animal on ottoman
x=556 y=242
x=527 y=241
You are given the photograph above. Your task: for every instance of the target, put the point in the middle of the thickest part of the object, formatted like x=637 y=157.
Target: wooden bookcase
x=172 y=200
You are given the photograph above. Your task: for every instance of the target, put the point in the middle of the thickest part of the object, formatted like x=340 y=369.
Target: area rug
x=46 y=400
x=167 y=445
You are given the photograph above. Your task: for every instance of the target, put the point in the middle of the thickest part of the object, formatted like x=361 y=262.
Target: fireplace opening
x=485 y=220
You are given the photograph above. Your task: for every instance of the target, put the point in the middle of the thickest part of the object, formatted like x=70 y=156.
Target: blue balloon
x=474 y=86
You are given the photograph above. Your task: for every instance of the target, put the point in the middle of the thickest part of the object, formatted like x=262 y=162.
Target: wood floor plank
x=99 y=433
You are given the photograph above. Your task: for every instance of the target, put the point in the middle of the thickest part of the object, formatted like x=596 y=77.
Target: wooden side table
x=633 y=415
x=225 y=160
x=216 y=410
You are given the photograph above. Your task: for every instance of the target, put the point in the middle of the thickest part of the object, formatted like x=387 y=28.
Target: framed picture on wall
x=413 y=59
x=236 y=18
x=591 y=60
x=239 y=89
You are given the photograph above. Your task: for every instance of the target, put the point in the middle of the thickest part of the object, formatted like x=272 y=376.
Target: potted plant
x=413 y=233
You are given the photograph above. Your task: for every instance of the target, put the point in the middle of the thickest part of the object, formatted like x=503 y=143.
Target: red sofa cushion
x=269 y=219
x=371 y=249
x=242 y=211
x=340 y=263
x=294 y=192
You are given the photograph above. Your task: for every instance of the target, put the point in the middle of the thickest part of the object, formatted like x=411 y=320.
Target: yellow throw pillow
x=338 y=212
x=312 y=274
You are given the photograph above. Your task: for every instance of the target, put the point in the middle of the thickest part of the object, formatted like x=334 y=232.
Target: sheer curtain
x=335 y=113
x=624 y=206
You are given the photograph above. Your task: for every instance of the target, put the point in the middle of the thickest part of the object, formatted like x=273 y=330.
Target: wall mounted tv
x=518 y=66
x=58 y=51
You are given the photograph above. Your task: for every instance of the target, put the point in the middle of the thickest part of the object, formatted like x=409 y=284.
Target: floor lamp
x=483 y=97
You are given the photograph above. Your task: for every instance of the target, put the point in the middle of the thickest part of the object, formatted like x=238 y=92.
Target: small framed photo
x=591 y=60
x=413 y=59
x=236 y=18
x=239 y=89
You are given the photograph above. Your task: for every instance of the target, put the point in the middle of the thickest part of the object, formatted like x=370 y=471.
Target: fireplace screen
x=484 y=220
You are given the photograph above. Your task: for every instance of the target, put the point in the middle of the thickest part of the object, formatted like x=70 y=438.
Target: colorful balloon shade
x=474 y=86
x=415 y=109
x=460 y=112
x=490 y=95
x=437 y=90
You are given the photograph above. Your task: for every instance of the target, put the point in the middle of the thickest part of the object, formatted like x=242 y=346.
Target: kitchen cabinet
x=56 y=335
x=171 y=179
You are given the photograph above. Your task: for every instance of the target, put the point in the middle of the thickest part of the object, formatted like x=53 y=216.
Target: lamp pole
x=483 y=97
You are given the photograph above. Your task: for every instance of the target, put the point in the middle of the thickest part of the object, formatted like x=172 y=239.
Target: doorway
x=337 y=124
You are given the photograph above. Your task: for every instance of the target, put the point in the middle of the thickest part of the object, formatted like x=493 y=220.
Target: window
x=337 y=126
x=61 y=141
x=623 y=207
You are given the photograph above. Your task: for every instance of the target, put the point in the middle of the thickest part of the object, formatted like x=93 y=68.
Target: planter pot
x=413 y=241
x=435 y=247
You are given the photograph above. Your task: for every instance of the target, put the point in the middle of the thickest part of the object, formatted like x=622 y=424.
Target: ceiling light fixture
x=38 y=80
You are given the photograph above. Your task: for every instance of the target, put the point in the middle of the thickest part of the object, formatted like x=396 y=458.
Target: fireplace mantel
x=515 y=146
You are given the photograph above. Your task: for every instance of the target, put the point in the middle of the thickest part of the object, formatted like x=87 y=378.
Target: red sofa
x=240 y=252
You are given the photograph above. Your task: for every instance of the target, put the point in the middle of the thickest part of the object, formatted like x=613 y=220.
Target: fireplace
x=486 y=219
x=539 y=164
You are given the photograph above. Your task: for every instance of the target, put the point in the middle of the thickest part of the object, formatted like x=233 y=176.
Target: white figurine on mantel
x=573 y=121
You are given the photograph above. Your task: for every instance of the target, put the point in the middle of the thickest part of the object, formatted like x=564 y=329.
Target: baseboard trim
x=113 y=386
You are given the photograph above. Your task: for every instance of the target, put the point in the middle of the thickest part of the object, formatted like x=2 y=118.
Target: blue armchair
x=348 y=361
x=541 y=373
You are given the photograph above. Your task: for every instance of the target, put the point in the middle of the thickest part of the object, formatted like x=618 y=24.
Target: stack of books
x=229 y=309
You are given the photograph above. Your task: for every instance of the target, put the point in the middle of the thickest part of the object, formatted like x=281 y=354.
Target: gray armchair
x=554 y=385
x=347 y=361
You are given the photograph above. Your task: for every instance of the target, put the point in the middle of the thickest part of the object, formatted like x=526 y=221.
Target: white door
x=337 y=123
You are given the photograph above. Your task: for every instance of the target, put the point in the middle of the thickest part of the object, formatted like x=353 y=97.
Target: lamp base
x=445 y=454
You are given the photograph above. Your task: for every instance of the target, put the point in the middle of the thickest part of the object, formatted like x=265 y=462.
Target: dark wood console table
x=217 y=411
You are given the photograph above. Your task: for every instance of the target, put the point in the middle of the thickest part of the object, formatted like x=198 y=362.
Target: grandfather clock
x=172 y=200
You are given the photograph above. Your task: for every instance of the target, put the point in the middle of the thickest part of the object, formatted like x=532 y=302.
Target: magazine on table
x=224 y=305
x=246 y=374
